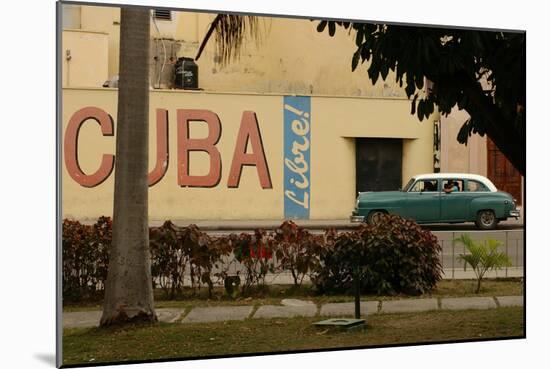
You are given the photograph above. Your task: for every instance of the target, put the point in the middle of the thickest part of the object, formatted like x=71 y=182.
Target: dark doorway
x=502 y=173
x=378 y=164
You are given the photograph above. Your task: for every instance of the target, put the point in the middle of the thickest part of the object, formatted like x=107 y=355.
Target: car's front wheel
x=375 y=217
x=486 y=219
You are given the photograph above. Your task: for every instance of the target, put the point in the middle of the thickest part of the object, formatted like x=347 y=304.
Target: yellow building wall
x=459 y=158
x=187 y=27
x=291 y=57
x=84 y=57
x=334 y=123
x=104 y=19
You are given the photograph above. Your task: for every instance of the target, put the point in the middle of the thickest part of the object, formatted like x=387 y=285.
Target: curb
x=267 y=225
x=273 y=227
x=382 y=307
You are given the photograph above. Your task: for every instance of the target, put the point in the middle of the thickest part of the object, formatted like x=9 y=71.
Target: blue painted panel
x=296 y=161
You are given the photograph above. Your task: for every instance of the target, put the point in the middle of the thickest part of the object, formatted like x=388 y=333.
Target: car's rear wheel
x=486 y=219
x=375 y=217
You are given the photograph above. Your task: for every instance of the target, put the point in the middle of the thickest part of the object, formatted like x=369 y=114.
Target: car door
x=454 y=204
x=479 y=194
x=423 y=203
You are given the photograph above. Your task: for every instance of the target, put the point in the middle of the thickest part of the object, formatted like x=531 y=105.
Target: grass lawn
x=274 y=293
x=165 y=341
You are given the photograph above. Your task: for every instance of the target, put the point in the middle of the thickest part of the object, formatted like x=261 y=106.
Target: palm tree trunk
x=129 y=290
x=478 y=284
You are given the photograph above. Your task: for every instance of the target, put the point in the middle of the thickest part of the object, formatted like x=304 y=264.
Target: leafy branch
x=482 y=256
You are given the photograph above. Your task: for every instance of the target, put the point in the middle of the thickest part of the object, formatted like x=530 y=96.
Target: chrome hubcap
x=487 y=218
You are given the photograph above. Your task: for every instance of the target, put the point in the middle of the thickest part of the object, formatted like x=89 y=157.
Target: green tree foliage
x=481 y=72
x=230 y=32
x=482 y=256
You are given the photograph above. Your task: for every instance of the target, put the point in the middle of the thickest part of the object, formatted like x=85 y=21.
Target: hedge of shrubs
x=395 y=256
x=85 y=258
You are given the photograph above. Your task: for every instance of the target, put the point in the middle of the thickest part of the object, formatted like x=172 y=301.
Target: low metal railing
x=512 y=244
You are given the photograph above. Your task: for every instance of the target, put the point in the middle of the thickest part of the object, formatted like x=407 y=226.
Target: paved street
x=506 y=225
x=225 y=226
x=316 y=226
x=294 y=308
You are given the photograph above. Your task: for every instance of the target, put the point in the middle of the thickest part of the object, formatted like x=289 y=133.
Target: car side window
x=475 y=186
x=453 y=185
x=424 y=185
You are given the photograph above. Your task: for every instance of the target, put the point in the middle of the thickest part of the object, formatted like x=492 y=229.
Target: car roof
x=471 y=176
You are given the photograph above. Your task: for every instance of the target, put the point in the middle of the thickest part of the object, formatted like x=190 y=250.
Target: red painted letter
x=249 y=130
x=71 y=146
x=161 y=165
x=208 y=145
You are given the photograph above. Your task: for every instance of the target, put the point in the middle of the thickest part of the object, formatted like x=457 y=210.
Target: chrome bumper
x=357 y=219
x=514 y=213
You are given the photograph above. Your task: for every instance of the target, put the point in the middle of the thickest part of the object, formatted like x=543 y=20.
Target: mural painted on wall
x=249 y=135
x=297 y=140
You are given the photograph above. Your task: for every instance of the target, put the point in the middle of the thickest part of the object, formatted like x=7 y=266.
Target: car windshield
x=408 y=185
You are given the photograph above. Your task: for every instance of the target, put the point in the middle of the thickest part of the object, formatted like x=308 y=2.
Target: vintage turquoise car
x=440 y=198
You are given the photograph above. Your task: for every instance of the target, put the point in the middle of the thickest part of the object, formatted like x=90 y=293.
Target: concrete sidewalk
x=294 y=308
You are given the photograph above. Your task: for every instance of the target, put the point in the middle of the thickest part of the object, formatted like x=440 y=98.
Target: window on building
x=162 y=14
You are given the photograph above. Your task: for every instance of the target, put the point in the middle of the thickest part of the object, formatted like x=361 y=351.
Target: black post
x=357 y=283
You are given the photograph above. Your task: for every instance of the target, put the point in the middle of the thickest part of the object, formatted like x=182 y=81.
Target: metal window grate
x=163 y=14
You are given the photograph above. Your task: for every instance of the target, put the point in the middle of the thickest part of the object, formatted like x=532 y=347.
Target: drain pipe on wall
x=68 y=58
